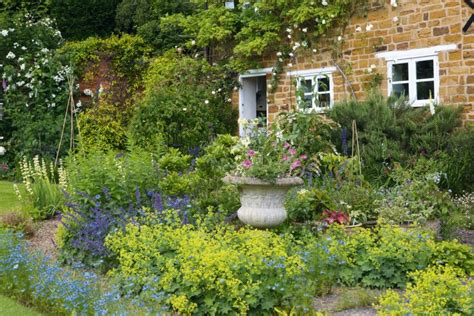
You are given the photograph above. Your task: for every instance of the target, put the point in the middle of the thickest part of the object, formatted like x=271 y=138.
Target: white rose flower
x=4 y=33
x=10 y=55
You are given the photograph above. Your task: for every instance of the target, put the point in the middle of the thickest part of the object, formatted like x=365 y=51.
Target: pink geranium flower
x=251 y=152
x=284 y=158
x=286 y=145
x=247 y=163
x=303 y=157
x=292 y=151
x=296 y=164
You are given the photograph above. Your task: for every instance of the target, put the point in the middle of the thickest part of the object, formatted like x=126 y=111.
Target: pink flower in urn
x=286 y=145
x=251 y=152
x=303 y=157
x=292 y=151
x=247 y=163
x=296 y=164
x=284 y=158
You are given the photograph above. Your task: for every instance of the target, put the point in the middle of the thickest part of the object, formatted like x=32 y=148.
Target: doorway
x=253 y=99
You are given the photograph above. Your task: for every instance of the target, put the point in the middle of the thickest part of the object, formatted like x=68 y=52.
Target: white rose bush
x=34 y=85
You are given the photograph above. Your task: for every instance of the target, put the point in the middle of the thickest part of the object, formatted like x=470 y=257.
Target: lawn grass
x=9 y=307
x=8 y=200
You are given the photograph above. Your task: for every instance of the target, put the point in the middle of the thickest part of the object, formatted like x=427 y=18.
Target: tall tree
x=79 y=19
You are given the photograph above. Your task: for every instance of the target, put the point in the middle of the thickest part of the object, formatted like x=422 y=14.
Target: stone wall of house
x=413 y=24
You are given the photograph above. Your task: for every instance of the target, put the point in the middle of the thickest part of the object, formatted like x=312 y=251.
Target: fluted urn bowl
x=262 y=201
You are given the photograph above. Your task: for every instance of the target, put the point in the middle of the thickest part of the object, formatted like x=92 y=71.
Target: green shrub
x=435 y=291
x=413 y=198
x=103 y=128
x=380 y=258
x=310 y=132
x=212 y=272
x=144 y=17
x=307 y=204
x=79 y=19
x=185 y=104
x=391 y=131
x=217 y=160
x=459 y=161
x=454 y=254
x=121 y=174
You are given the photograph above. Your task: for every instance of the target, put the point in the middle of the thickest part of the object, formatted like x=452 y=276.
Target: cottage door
x=253 y=99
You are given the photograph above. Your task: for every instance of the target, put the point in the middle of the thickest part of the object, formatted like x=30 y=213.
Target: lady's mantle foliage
x=212 y=271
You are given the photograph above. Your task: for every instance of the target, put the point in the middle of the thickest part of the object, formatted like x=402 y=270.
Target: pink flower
x=295 y=164
x=284 y=158
x=292 y=151
x=286 y=145
x=247 y=163
x=251 y=152
x=303 y=157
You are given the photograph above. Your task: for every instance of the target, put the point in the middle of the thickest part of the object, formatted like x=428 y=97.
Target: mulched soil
x=466 y=237
x=43 y=238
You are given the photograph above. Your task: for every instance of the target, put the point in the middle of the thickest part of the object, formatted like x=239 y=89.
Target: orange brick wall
x=421 y=24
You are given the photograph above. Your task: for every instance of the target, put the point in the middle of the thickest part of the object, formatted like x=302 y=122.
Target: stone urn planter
x=262 y=202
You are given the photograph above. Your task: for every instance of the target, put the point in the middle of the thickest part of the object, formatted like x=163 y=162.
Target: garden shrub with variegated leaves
x=218 y=271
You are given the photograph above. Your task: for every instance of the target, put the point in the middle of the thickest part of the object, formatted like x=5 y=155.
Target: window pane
x=400 y=72
x=324 y=100
x=424 y=69
x=306 y=85
x=323 y=84
x=425 y=90
x=400 y=89
x=307 y=102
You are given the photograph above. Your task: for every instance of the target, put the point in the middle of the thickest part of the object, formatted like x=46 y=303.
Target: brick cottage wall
x=413 y=24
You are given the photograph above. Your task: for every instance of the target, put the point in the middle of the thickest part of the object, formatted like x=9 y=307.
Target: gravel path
x=43 y=239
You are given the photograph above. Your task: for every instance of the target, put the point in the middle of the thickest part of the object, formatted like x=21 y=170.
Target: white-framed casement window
x=314 y=89
x=415 y=78
x=415 y=73
x=315 y=92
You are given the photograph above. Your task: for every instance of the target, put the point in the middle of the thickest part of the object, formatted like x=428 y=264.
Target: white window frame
x=411 y=57
x=412 y=80
x=315 y=74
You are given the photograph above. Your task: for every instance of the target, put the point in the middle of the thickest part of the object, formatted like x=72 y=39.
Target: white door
x=253 y=96
x=248 y=101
